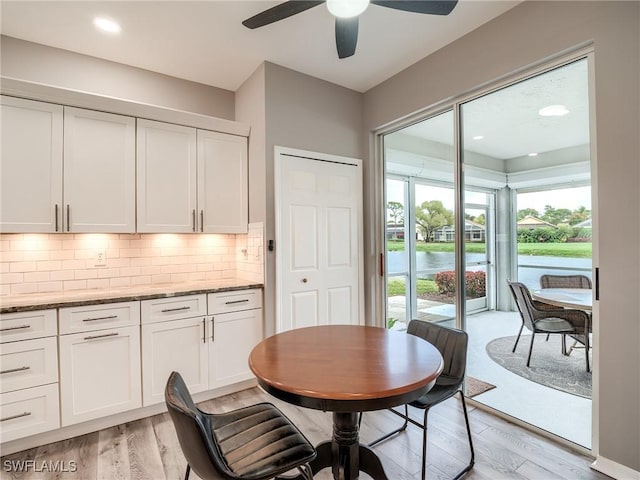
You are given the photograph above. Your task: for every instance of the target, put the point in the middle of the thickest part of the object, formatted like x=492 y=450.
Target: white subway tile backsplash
x=31 y=263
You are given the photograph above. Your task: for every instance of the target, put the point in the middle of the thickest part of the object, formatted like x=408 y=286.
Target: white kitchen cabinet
x=237 y=328
x=66 y=169
x=166 y=178
x=99 y=171
x=100 y=366
x=30 y=166
x=209 y=351
x=191 y=180
x=222 y=183
x=174 y=337
x=28 y=374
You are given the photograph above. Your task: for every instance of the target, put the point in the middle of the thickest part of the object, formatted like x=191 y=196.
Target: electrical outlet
x=101 y=258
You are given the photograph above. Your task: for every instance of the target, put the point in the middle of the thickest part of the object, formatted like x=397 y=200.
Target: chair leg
x=473 y=455
x=186 y=475
x=397 y=430
x=305 y=471
x=517 y=338
x=533 y=335
x=424 y=445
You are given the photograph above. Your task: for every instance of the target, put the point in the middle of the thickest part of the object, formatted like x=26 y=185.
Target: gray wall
x=523 y=36
x=60 y=68
x=300 y=112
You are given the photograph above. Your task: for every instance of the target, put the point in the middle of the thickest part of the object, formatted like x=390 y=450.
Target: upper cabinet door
x=166 y=179
x=99 y=172
x=222 y=183
x=30 y=166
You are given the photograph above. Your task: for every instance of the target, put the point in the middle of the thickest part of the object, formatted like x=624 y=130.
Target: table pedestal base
x=344 y=454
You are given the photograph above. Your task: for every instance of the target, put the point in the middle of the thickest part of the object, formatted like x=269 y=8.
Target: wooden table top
x=333 y=365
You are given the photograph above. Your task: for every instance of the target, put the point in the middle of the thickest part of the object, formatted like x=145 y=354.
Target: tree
x=556 y=216
x=431 y=215
x=395 y=210
x=580 y=214
x=528 y=212
x=480 y=219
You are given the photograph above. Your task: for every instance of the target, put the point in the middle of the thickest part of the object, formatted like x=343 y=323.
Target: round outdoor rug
x=548 y=366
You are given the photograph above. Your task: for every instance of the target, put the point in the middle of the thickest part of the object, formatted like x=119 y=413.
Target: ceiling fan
x=346 y=13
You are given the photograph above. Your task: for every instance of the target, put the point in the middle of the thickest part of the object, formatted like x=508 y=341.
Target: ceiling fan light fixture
x=347 y=8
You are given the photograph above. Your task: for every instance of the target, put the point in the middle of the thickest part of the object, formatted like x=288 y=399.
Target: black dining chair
x=542 y=318
x=565 y=281
x=250 y=443
x=452 y=344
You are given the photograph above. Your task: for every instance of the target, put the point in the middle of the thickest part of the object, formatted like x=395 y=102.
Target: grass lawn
x=396 y=287
x=574 y=250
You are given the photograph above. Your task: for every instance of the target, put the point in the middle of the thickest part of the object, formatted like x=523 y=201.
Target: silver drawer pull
x=92 y=337
x=21 y=327
x=110 y=317
x=12 y=417
x=12 y=370
x=167 y=310
x=232 y=302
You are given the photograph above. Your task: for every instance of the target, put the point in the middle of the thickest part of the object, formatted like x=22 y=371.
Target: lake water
x=432 y=262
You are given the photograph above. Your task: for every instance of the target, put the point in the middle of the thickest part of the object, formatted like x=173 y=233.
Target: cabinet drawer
x=173 y=308
x=29 y=411
x=29 y=363
x=99 y=317
x=28 y=325
x=225 y=302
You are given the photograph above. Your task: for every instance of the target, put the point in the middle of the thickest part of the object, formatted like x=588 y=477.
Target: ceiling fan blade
x=346 y=36
x=432 y=7
x=279 y=12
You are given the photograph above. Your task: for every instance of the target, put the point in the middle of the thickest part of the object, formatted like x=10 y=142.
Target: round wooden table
x=346 y=369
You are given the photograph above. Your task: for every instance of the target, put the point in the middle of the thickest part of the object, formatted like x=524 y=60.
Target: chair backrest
x=192 y=429
x=452 y=344
x=565 y=281
x=524 y=303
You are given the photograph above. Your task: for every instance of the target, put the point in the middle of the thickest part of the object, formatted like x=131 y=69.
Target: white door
x=222 y=183
x=318 y=239
x=30 y=166
x=99 y=171
x=166 y=181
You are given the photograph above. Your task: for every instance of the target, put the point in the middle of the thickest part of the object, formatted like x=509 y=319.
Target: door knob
x=304 y=280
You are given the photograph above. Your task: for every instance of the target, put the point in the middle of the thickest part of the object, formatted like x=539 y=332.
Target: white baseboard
x=614 y=469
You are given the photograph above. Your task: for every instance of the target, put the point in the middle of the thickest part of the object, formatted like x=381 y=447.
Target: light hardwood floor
x=149 y=449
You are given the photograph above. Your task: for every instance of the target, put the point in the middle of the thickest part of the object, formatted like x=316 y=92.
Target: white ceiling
x=204 y=41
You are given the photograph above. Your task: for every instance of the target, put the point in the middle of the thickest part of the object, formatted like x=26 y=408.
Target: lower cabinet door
x=29 y=411
x=234 y=336
x=99 y=373
x=177 y=345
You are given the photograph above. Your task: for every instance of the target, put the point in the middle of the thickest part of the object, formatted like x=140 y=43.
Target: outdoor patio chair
x=547 y=319
x=565 y=281
x=452 y=344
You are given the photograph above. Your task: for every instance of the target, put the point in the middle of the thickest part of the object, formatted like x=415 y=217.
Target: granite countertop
x=41 y=301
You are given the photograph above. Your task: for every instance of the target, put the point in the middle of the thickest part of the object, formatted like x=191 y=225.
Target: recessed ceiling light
x=532 y=154
x=106 y=25
x=478 y=137
x=553 y=111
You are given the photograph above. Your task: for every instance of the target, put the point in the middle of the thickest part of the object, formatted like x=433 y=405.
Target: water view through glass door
x=526 y=211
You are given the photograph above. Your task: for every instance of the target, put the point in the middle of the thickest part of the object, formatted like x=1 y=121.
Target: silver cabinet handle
x=233 y=302
x=202 y=220
x=20 y=327
x=12 y=370
x=193 y=219
x=110 y=317
x=12 y=417
x=68 y=218
x=57 y=217
x=204 y=330
x=166 y=310
x=93 y=337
